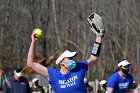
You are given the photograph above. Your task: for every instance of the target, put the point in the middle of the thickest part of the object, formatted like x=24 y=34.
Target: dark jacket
x=13 y=86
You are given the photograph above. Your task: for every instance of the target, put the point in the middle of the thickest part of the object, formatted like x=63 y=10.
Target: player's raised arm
x=96 y=26
x=40 y=69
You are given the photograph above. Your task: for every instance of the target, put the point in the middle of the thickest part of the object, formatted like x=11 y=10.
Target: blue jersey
x=72 y=82
x=119 y=84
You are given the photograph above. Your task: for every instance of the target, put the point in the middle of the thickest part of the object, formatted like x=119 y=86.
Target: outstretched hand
x=33 y=36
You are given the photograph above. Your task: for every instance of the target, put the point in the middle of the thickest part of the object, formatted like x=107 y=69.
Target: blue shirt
x=119 y=84
x=72 y=82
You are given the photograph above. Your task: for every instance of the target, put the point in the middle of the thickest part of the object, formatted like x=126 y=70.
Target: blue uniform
x=72 y=82
x=119 y=84
x=13 y=86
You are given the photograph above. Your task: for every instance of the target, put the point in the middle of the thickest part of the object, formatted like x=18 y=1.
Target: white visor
x=102 y=82
x=64 y=55
x=123 y=63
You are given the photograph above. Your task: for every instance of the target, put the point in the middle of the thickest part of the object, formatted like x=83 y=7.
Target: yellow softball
x=38 y=33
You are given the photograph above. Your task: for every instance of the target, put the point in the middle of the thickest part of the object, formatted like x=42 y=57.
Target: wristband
x=96 y=49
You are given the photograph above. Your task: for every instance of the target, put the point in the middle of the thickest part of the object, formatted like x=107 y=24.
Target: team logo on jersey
x=123 y=85
x=68 y=83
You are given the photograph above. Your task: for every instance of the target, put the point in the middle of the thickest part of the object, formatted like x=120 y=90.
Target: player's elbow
x=29 y=64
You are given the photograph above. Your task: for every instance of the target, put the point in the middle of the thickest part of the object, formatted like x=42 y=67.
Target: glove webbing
x=93 y=25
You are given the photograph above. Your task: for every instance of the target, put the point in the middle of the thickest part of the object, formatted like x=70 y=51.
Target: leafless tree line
x=65 y=27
